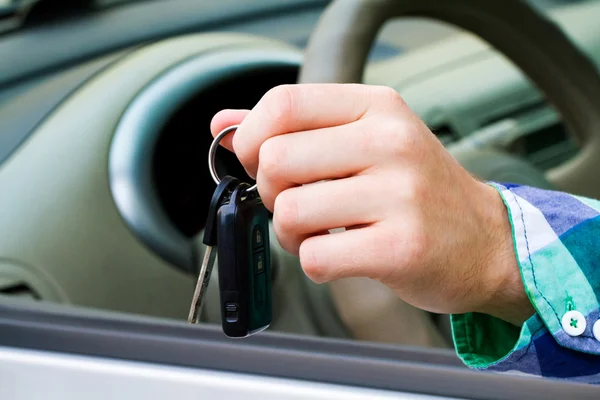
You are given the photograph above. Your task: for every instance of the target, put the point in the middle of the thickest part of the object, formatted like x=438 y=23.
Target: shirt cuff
x=557 y=244
x=486 y=342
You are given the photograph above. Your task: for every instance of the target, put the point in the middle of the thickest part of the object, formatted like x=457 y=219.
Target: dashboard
x=104 y=129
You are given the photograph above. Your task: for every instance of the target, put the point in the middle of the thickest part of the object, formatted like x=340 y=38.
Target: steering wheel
x=337 y=53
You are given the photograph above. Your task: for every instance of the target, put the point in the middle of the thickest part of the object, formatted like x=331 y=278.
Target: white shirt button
x=573 y=323
x=596 y=330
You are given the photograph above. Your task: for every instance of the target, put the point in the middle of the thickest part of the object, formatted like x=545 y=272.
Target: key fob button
x=257 y=238
x=231 y=312
x=259 y=262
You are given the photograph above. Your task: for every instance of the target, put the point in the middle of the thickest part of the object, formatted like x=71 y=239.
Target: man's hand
x=415 y=219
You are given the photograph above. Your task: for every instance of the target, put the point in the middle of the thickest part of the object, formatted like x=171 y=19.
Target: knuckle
x=398 y=138
x=405 y=248
x=391 y=98
x=271 y=158
x=391 y=242
x=413 y=188
x=278 y=103
x=416 y=243
x=312 y=266
x=368 y=140
x=285 y=214
x=388 y=138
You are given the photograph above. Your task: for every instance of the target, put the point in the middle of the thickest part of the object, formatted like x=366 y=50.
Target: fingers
x=304 y=211
x=293 y=108
x=311 y=156
x=224 y=119
x=365 y=252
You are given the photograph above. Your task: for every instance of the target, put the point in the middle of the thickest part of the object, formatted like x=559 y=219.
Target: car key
x=220 y=196
x=244 y=264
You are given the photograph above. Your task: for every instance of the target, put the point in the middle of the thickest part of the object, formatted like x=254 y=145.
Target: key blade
x=208 y=263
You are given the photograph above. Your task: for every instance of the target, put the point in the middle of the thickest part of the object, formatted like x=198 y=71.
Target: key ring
x=213 y=150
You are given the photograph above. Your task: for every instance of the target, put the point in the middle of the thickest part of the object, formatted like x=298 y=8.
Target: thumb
x=224 y=119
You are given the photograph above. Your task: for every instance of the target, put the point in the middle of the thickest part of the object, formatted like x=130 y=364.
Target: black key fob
x=244 y=264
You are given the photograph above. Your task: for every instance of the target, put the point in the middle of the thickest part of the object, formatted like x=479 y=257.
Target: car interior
x=105 y=109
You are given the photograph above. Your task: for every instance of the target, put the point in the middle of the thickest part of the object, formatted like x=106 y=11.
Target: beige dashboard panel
x=463 y=82
x=57 y=212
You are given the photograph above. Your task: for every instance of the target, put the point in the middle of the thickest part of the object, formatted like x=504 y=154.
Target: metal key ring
x=213 y=150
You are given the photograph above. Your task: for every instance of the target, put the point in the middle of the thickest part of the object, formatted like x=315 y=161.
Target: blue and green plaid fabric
x=557 y=243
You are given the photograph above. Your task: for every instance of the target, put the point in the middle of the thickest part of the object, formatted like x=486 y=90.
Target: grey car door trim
x=49 y=327
x=94 y=378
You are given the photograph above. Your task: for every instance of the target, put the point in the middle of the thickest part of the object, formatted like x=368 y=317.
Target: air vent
x=515 y=113
x=534 y=131
x=543 y=138
x=546 y=147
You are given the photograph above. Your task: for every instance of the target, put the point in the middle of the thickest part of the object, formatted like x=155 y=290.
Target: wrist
x=503 y=291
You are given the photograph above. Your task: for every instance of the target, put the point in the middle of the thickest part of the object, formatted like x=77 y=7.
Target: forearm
x=556 y=241
x=503 y=293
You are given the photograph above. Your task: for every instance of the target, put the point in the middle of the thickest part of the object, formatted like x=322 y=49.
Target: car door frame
x=70 y=330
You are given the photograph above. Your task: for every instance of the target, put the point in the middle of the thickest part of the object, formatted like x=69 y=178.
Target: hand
x=415 y=219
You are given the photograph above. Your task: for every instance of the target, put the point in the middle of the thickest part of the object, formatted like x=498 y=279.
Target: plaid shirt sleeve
x=557 y=243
